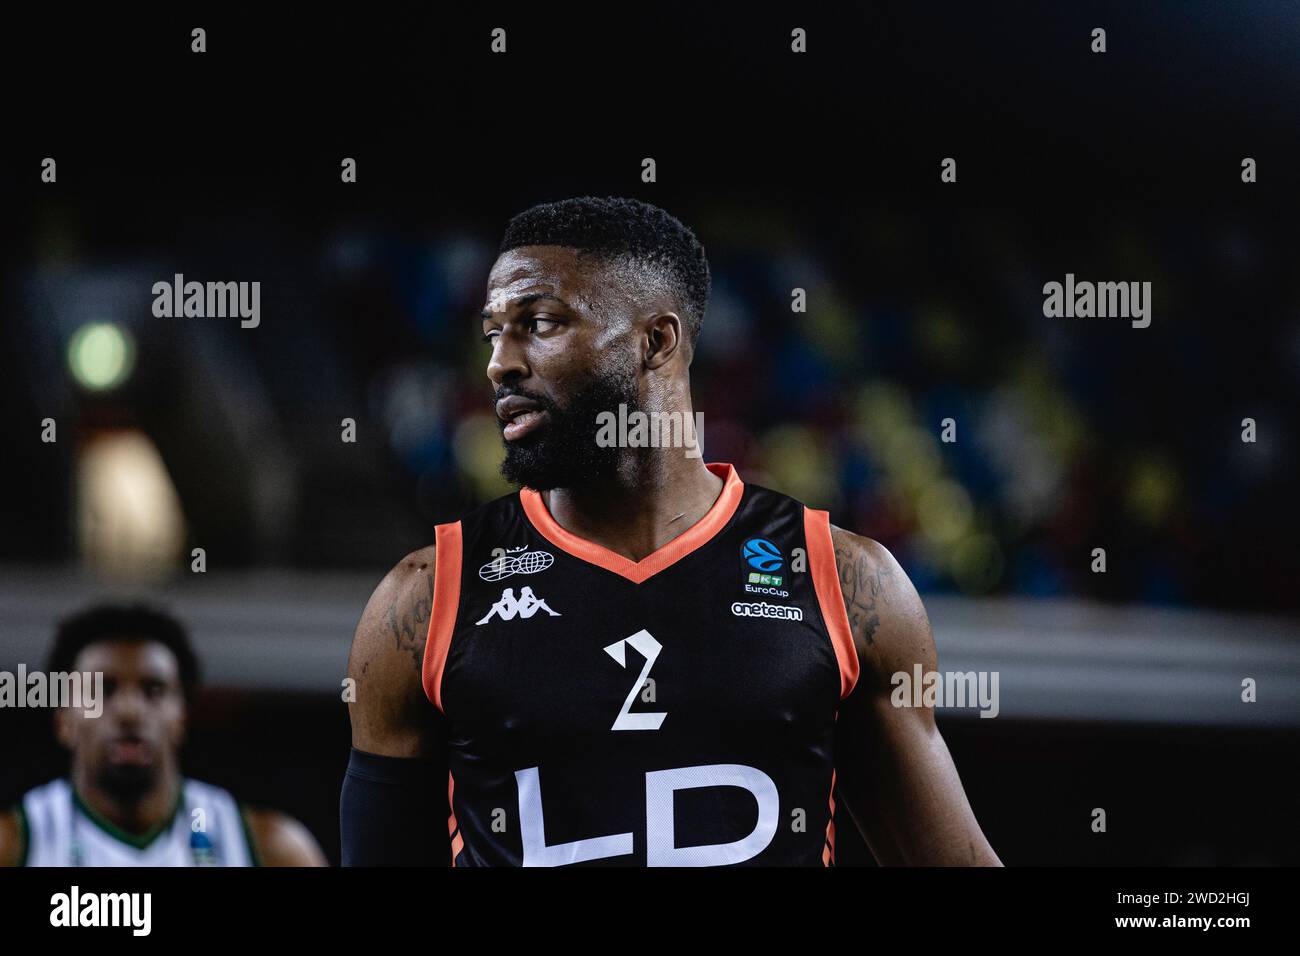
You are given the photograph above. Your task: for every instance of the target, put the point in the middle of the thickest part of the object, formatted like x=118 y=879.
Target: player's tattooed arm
x=393 y=806
x=390 y=715
x=408 y=615
x=863 y=580
x=895 y=775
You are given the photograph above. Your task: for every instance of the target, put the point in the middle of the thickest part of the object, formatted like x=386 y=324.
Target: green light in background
x=945 y=511
x=101 y=356
x=976 y=563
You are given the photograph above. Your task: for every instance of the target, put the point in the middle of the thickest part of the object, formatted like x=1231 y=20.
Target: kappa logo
x=504 y=565
x=510 y=607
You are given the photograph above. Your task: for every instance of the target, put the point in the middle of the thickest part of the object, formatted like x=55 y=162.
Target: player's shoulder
x=886 y=615
x=280 y=840
x=58 y=789
x=860 y=552
x=414 y=566
x=399 y=607
x=15 y=825
x=42 y=801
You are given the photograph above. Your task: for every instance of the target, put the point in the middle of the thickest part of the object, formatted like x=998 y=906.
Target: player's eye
x=489 y=335
x=540 y=324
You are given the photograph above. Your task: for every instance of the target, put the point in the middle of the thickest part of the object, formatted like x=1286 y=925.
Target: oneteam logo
x=763 y=609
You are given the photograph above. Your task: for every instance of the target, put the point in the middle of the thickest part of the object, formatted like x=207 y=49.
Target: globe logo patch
x=503 y=566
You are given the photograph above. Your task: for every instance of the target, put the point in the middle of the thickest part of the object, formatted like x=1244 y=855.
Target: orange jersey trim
x=453 y=828
x=637 y=571
x=442 y=617
x=828 y=852
x=826 y=582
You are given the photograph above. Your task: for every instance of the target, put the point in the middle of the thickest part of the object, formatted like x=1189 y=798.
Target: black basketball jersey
x=674 y=711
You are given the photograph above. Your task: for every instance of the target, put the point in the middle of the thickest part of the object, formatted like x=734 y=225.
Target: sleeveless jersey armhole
x=446 y=604
x=826 y=582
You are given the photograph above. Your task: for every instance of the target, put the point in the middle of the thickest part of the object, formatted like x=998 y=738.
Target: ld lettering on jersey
x=661 y=848
x=103 y=909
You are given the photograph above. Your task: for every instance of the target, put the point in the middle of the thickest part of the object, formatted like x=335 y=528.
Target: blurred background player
x=125 y=801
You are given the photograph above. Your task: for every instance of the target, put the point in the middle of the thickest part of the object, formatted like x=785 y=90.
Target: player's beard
x=564 y=453
x=128 y=783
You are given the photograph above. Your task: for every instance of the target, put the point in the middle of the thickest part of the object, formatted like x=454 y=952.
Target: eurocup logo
x=762 y=555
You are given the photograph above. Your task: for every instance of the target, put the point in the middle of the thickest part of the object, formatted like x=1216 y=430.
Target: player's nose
x=508 y=362
x=128 y=704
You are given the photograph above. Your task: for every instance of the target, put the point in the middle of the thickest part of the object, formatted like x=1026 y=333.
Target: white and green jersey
x=207 y=828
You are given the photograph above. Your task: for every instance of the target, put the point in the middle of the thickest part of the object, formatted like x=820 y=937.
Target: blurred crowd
x=922 y=396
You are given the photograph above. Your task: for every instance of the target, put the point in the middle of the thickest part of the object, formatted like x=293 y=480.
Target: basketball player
x=126 y=802
x=639 y=659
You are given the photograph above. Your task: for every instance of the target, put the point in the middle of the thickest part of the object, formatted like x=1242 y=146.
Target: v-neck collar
x=699 y=534
x=140 y=842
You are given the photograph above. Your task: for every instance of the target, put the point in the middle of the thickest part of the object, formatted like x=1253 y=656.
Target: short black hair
x=131 y=621
x=613 y=229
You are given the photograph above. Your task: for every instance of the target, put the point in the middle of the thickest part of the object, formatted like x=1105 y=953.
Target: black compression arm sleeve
x=393 y=812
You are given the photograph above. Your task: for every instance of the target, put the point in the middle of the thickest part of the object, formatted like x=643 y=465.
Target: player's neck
x=135 y=817
x=655 y=498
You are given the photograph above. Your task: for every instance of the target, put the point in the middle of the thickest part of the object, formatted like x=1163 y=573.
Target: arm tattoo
x=861 y=583
x=407 y=626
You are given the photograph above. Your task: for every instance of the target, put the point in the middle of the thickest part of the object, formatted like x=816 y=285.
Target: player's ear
x=663 y=337
x=63 y=727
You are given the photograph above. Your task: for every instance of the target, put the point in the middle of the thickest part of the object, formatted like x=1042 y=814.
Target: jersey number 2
x=644 y=643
